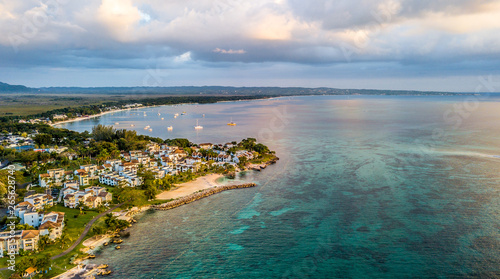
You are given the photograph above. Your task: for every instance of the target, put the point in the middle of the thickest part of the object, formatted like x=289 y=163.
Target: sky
x=446 y=45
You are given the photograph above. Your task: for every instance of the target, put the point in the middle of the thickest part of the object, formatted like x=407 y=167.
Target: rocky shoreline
x=259 y=167
x=200 y=195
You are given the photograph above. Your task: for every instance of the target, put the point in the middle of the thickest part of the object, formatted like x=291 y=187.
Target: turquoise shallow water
x=367 y=187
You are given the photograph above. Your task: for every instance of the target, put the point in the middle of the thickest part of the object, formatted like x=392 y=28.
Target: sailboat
x=231 y=123
x=198 y=127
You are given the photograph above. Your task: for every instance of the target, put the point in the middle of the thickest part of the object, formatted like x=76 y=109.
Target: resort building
x=39 y=201
x=9 y=242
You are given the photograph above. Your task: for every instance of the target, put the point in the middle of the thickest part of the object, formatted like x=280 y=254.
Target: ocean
x=366 y=187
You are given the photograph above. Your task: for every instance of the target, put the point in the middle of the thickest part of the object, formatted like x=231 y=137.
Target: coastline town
x=81 y=191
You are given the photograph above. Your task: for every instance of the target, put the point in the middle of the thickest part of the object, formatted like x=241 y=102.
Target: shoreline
x=120 y=110
x=188 y=188
x=94 y=116
x=200 y=195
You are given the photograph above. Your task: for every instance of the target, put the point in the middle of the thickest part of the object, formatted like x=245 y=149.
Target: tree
x=103 y=133
x=151 y=192
x=43 y=139
x=131 y=196
x=65 y=239
x=261 y=149
x=242 y=162
x=43 y=242
x=42 y=263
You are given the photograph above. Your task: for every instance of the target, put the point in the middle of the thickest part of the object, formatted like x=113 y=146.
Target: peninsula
x=76 y=191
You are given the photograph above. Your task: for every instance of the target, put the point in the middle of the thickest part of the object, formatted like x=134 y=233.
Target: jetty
x=200 y=195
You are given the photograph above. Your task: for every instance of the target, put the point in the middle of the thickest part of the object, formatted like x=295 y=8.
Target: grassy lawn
x=5 y=273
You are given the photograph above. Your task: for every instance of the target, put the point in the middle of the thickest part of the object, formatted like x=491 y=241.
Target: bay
x=366 y=187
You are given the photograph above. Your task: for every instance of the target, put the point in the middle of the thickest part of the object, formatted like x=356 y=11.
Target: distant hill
x=4 y=87
x=210 y=91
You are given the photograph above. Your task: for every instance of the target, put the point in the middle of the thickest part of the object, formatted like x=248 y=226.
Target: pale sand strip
x=184 y=189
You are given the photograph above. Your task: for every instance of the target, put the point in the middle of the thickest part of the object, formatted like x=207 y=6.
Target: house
x=28 y=214
x=206 y=146
x=55 y=176
x=167 y=162
x=83 y=177
x=44 y=180
x=92 y=197
x=39 y=201
x=93 y=202
x=152 y=147
x=90 y=169
x=30 y=272
x=73 y=200
x=95 y=190
x=70 y=189
x=105 y=196
x=52 y=225
x=107 y=168
x=29 y=240
x=192 y=160
x=179 y=154
x=10 y=242
x=113 y=162
x=223 y=158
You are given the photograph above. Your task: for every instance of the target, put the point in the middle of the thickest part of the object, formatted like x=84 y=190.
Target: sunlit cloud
x=125 y=34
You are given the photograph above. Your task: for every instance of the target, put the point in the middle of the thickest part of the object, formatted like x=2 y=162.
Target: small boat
x=132 y=125
x=147 y=127
x=159 y=113
x=176 y=114
x=151 y=130
x=203 y=115
x=118 y=241
x=117 y=247
x=231 y=123
x=198 y=127
x=91 y=256
x=162 y=118
x=183 y=113
x=116 y=123
x=106 y=243
x=102 y=266
x=170 y=128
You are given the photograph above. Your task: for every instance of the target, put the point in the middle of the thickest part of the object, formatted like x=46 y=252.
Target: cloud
x=229 y=51
x=135 y=34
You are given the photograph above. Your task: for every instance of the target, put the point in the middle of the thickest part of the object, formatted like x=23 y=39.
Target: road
x=84 y=233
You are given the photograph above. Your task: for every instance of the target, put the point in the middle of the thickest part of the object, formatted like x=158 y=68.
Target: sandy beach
x=184 y=189
x=96 y=115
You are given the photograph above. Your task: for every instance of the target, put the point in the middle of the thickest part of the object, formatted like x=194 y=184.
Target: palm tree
x=65 y=239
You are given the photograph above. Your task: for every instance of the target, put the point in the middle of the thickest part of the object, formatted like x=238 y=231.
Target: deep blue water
x=367 y=187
